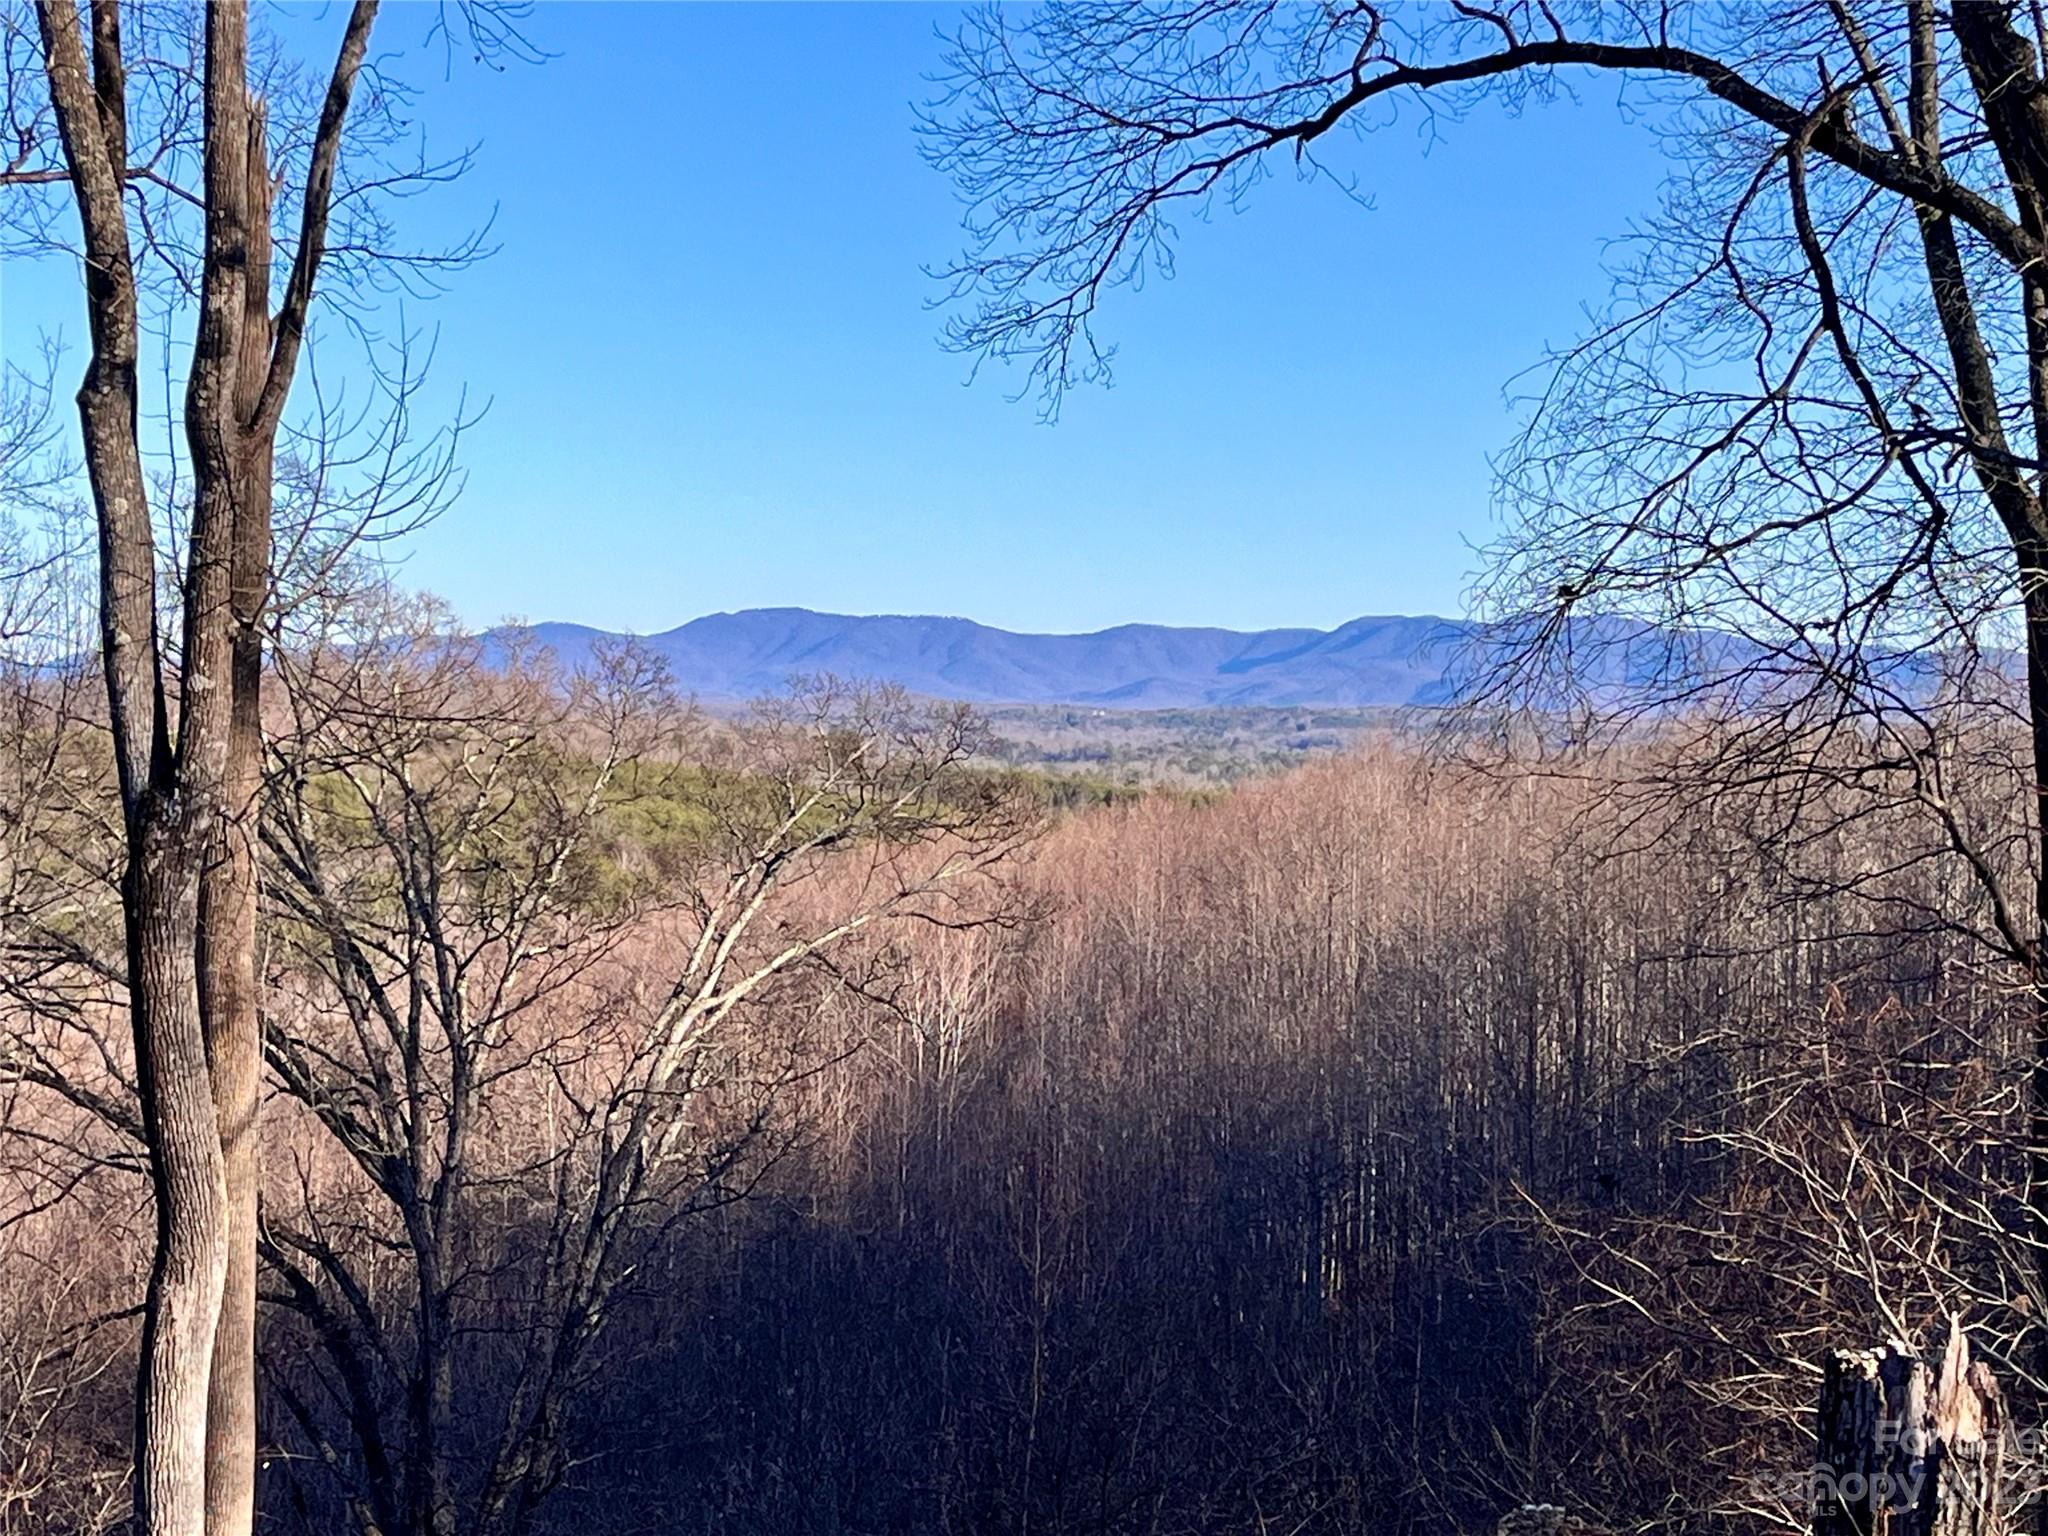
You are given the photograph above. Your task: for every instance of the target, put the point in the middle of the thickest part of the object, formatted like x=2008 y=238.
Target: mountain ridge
x=1389 y=660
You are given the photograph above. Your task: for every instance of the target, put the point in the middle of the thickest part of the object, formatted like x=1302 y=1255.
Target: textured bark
x=228 y=893
x=1908 y=1449
x=190 y=1267
x=207 y=727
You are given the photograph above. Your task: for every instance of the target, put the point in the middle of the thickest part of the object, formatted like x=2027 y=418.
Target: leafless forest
x=446 y=1094
x=793 y=1126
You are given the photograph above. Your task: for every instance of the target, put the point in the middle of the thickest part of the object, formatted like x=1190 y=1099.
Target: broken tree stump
x=1908 y=1449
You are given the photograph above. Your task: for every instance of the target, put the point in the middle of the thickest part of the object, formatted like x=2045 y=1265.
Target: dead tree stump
x=1907 y=1449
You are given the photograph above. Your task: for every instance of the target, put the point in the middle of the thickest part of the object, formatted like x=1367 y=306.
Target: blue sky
x=714 y=380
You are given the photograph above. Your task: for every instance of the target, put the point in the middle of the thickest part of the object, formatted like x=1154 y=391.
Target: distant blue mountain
x=1367 y=662
x=1383 y=662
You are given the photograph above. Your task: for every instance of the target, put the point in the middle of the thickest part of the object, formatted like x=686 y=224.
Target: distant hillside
x=1369 y=662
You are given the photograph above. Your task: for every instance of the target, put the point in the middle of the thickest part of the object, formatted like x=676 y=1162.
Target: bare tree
x=156 y=122
x=541 y=1045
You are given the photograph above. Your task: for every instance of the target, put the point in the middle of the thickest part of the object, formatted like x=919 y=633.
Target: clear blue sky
x=714 y=381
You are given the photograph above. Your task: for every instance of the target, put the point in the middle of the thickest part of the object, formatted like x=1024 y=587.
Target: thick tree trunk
x=2033 y=565
x=2037 y=1128
x=433 y=1401
x=190 y=1268
x=228 y=972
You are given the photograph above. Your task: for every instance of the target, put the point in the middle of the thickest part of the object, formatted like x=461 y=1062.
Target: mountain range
x=1369 y=662
x=1378 y=662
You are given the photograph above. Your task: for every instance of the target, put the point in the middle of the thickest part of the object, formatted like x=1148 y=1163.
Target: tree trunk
x=433 y=1402
x=228 y=971
x=190 y=1268
x=2035 y=598
x=1907 y=1449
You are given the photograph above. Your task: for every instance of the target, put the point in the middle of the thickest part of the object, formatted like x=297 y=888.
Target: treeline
x=1374 y=1147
